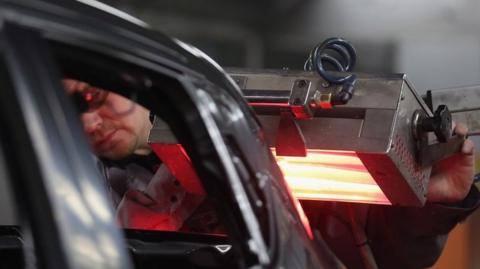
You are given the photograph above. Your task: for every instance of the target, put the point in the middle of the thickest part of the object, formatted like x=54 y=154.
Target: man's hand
x=452 y=177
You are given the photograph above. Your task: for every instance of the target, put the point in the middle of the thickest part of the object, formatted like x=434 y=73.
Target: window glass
x=157 y=196
x=150 y=179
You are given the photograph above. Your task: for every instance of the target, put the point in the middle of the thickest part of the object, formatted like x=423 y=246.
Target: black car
x=55 y=211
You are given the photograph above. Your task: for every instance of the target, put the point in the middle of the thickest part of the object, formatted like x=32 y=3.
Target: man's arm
x=402 y=237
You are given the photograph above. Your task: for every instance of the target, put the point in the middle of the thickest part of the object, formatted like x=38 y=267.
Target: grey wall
x=436 y=42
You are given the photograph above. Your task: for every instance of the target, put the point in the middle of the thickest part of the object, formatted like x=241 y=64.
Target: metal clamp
x=441 y=125
x=299 y=101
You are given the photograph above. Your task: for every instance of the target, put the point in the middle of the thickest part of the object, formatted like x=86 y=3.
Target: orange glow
x=301 y=213
x=330 y=176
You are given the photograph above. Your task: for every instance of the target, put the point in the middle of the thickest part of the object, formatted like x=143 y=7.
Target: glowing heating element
x=330 y=176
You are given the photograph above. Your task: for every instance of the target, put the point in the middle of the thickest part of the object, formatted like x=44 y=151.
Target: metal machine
x=376 y=148
x=341 y=136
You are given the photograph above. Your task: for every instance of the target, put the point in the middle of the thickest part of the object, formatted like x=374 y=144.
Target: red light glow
x=88 y=97
x=330 y=176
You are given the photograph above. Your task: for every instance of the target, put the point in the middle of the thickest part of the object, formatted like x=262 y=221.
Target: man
x=115 y=126
x=144 y=194
x=117 y=130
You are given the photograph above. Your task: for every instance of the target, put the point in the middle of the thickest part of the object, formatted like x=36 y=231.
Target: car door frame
x=60 y=192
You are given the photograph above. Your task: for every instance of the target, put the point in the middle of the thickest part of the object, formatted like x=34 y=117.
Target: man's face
x=117 y=127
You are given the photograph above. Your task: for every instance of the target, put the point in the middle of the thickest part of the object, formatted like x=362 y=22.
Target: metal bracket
x=435 y=152
x=290 y=140
x=299 y=101
x=428 y=154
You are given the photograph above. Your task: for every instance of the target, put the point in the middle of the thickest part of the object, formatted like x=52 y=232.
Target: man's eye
x=94 y=97
x=88 y=97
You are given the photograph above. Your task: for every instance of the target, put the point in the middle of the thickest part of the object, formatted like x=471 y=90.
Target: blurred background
x=436 y=42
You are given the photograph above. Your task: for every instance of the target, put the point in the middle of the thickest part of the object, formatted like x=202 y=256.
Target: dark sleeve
x=406 y=237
